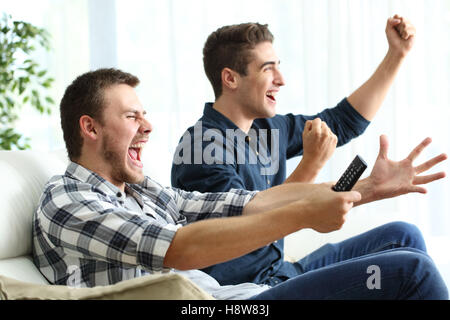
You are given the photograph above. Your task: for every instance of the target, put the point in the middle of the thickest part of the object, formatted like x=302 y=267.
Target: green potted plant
x=22 y=81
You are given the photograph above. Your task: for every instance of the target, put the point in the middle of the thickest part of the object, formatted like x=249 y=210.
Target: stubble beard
x=118 y=170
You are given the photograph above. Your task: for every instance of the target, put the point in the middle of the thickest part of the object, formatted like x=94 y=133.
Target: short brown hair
x=85 y=97
x=229 y=47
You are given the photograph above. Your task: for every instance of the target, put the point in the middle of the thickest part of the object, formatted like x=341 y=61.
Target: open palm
x=394 y=178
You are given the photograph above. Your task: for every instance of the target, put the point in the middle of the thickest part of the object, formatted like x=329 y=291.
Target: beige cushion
x=169 y=286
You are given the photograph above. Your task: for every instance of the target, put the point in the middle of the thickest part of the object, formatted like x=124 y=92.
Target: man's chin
x=270 y=113
x=131 y=176
x=135 y=178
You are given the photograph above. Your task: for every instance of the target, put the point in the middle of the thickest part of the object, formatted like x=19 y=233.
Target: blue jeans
x=388 y=262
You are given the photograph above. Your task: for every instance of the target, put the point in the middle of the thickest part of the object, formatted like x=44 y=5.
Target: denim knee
x=423 y=276
x=406 y=234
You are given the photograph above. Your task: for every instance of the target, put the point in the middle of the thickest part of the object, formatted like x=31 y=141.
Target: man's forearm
x=368 y=98
x=304 y=172
x=277 y=197
x=213 y=241
x=365 y=188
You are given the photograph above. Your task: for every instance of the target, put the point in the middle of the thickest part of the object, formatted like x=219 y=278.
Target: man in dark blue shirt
x=241 y=143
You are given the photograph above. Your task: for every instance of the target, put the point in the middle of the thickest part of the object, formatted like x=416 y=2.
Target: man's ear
x=88 y=127
x=230 y=78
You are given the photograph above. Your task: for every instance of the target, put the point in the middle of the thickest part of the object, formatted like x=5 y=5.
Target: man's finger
x=417 y=189
x=317 y=124
x=418 y=150
x=430 y=163
x=352 y=196
x=384 y=145
x=329 y=184
x=308 y=125
x=428 y=178
x=326 y=129
x=394 y=21
x=410 y=30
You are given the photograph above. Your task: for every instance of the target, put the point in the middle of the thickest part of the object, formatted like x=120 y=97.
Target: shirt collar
x=220 y=121
x=85 y=175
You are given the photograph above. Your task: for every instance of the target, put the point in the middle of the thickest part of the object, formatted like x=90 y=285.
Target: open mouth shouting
x=135 y=152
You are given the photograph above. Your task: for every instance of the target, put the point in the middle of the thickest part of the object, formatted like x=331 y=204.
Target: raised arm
x=213 y=241
x=368 y=98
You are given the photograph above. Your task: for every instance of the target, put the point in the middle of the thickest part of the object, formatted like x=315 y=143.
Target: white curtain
x=328 y=48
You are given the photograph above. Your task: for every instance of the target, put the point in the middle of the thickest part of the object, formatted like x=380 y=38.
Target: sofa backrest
x=22 y=177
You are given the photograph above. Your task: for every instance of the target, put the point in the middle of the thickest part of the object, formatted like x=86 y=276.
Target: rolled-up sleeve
x=343 y=119
x=155 y=242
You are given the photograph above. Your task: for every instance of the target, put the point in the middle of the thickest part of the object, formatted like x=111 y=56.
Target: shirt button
x=119 y=194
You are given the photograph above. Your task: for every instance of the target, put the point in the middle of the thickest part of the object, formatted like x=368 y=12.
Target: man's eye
x=131 y=117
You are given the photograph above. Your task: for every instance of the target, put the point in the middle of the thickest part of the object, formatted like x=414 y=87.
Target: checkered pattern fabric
x=84 y=236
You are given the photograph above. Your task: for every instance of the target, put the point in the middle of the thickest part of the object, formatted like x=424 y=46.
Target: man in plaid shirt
x=110 y=222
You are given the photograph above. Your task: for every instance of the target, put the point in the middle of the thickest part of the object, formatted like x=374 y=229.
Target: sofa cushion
x=21 y=268
x=23 y=175
x=170 y=286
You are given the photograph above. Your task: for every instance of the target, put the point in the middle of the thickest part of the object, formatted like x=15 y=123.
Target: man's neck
x=98 y=168
x=234 y=112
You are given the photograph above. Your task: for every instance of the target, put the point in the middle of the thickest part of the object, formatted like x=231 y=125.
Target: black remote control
x=351 y=175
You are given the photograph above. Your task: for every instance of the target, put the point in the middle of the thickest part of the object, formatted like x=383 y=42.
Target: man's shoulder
x=60 y=180
x=204 y=124
x=65 y=179
x=279 y=121
x=64 y=186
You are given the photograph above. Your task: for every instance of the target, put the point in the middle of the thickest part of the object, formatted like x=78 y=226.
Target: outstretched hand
x=393 y=178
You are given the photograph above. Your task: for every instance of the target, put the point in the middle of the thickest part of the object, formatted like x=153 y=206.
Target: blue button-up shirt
x=215 y=155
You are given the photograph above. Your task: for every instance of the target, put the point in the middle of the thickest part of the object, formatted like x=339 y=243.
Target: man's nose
x=146 y=127
x=279 y=79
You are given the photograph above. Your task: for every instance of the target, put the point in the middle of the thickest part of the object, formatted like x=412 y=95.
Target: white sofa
x=23 y=175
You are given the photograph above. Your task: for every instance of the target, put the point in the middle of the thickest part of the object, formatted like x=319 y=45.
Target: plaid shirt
x=83 y=235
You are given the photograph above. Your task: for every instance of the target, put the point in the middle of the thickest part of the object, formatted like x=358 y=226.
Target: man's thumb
x=384 y=145
x=354 y=196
